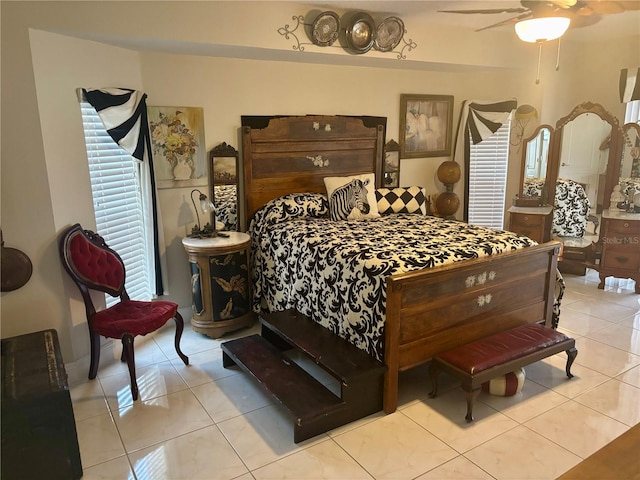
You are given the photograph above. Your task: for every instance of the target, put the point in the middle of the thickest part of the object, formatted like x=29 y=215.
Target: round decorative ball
x=449 y=172
x=447 y=203
x=505 y=385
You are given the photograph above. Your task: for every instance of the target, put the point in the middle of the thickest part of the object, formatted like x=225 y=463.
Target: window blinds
x=488 y=179
x=115 y=185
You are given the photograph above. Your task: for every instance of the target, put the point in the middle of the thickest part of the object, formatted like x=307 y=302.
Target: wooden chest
x=39 y=438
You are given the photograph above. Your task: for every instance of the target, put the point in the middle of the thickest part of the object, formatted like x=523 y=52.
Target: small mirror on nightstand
x=224 y=185
x=391 y=177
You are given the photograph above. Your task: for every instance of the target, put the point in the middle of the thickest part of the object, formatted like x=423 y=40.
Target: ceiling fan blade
x=580 y=21
x=509 y=21
x=489 y=10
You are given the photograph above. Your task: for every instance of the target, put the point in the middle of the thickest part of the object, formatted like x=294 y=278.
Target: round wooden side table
x=221 y=291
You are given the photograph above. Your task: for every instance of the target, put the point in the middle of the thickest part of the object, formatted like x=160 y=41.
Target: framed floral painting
x=425 y=125
x=177 y=143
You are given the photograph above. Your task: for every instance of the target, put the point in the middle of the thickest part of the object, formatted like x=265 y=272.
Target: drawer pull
x=626 y=224
x=622 y=260
x=526 y=218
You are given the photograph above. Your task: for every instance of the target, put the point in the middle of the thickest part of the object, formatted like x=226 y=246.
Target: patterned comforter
x=335 y=271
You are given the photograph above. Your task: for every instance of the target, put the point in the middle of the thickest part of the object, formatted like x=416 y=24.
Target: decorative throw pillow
x=352 y=198
x=401 y=200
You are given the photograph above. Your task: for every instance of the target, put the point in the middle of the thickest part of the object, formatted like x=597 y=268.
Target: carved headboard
x=294 y=154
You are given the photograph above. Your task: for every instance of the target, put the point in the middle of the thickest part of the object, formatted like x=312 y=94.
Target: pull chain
x=558 y=57
x=539 y=57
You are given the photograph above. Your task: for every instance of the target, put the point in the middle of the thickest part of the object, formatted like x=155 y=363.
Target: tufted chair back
x=89 y=261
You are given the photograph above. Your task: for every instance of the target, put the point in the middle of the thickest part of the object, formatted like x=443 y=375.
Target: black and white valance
x=478 y=120
x=629 y=84
x=123 y=112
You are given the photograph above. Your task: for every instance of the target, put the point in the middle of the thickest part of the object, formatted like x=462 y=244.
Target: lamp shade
x=542 y=29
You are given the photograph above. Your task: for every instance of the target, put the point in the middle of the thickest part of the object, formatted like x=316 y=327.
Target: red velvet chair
x=94 y=266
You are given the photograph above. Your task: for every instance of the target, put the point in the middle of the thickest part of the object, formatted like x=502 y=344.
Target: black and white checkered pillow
x=401 y=200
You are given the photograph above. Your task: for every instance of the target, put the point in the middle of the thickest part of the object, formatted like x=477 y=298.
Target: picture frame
x=178 y=146
x=425 y=125
x=391 y=173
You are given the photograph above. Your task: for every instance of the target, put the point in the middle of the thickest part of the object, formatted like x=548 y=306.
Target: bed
x=400 y=305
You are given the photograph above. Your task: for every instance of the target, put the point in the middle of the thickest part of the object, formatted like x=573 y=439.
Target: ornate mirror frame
x=391 y=173
x=613 y=162
x=526 y=199
x=224 y=165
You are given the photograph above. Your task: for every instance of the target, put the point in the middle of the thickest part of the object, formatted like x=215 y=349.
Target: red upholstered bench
x=480 y=361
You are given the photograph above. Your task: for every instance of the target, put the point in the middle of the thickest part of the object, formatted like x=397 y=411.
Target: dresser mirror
x=584 y=152
x=629 y=177
x=535 y=163
x=224 y=186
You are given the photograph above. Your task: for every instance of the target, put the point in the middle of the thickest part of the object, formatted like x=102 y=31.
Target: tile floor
x=203 y=421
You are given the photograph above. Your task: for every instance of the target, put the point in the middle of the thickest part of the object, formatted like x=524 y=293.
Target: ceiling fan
x=581 y=13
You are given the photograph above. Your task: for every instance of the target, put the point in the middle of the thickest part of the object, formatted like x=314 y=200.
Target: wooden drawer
x=624 y=227
x=624 y=257
x=527 y=220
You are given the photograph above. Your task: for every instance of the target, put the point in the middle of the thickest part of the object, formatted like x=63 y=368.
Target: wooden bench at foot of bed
x=478 y=362
x=314 y=407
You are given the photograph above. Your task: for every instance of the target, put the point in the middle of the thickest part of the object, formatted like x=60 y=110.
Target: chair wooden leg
x=127 y=350
x=179 y=328
x=572 y=353
x=94 y=339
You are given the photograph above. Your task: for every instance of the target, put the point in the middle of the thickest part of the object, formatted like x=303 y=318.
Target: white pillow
x=352 y=198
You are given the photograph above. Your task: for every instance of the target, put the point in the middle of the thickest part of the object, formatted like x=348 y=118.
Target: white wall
x=43 y=162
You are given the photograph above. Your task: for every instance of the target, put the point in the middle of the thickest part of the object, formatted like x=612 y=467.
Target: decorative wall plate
x=388 y=34
x=325 y=29
x=360 y=33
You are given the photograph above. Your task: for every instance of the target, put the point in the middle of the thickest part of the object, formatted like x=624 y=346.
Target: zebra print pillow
x=352 y=198
x=401 y=200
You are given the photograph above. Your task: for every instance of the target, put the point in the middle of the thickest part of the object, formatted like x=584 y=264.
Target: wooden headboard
x=294 y=154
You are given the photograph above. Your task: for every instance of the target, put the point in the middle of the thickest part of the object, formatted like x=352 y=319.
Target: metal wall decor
x=357 y=31
x=325 y=29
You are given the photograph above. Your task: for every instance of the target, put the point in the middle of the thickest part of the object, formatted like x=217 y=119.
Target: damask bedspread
x=335 y=271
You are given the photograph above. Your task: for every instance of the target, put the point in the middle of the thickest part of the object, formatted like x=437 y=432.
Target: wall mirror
x=224 y=161
x=629 y=176
x=584 y=153
x=535 y=162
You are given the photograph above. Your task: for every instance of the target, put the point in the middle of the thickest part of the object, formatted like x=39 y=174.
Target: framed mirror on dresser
x=224 y=160
x=620 y=233
x=531 y=214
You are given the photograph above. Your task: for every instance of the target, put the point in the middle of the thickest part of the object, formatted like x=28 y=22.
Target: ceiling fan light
x=542 y=29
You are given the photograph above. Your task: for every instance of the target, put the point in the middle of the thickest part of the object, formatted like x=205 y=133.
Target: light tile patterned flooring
x=203 y=421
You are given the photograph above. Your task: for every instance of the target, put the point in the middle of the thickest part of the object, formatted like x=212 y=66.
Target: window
x=632 y=112
x=117 y=203
x=488 y=179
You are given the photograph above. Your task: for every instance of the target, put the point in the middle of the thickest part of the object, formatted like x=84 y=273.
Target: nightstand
x=532 y=222
x=221 y=293
x=620 y=236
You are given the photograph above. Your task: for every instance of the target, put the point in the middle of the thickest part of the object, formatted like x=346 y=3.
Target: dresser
x=532 y=222
x=620 y=239
x=220 y=288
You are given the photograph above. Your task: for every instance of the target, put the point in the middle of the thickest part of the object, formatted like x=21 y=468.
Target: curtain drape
x=124 y=114
x=629 y=84
x=478 y=120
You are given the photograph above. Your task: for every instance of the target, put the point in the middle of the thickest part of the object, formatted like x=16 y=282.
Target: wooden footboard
x=436 y=309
